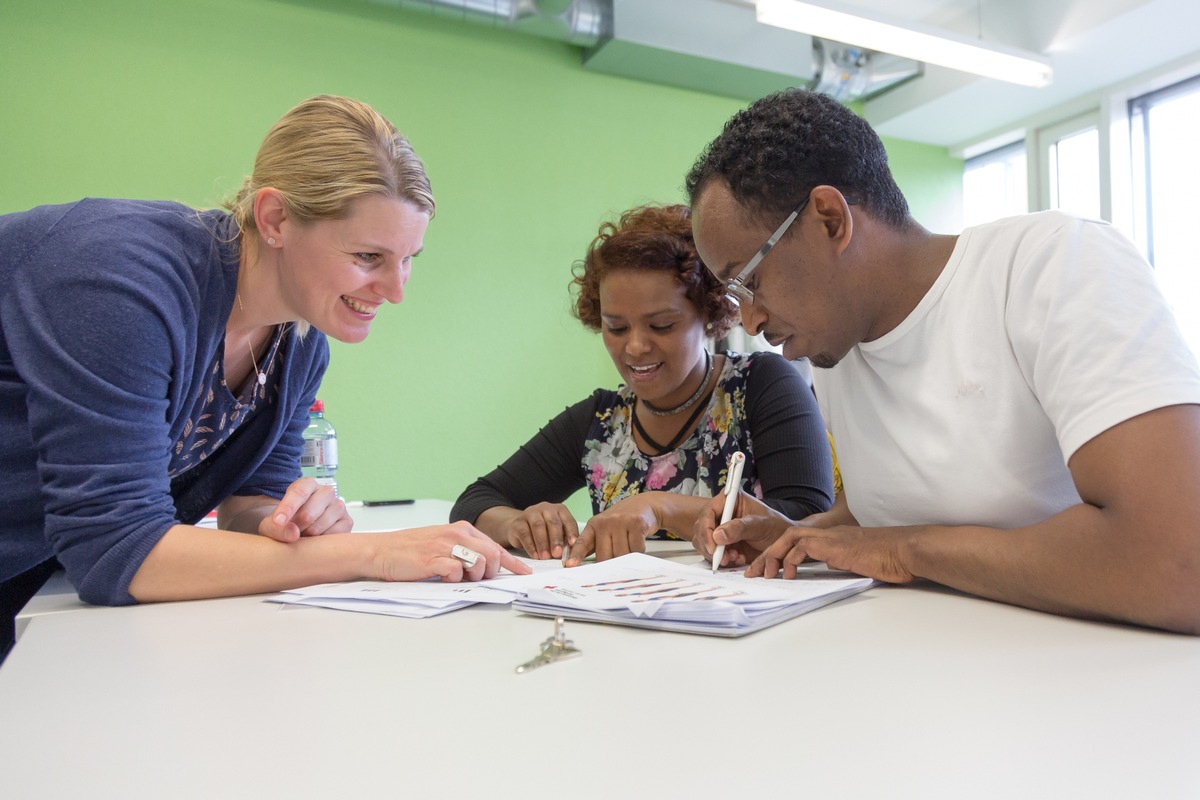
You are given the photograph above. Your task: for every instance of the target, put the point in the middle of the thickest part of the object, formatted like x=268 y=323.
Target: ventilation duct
x=713 y=46
x=577 y=22
x=851 y=73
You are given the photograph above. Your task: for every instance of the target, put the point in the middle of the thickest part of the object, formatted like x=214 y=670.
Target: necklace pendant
x=262 y=379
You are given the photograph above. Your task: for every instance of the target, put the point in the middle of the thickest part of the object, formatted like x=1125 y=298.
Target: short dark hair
x=652 y=238
x=776 y=151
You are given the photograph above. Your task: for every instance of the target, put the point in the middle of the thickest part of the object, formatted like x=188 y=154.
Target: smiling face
x=797 y=301
x=653 y=333
x=336 y=273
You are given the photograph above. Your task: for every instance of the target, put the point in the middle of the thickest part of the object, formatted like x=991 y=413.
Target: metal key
x=557 y=648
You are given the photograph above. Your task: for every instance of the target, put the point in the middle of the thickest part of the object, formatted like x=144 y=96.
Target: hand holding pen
x=733 y=485
x=752 y=528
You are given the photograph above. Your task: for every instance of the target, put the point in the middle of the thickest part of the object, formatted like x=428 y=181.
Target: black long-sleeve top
x=761 y=406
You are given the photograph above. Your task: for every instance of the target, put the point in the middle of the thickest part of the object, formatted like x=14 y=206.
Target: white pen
x=733 y=482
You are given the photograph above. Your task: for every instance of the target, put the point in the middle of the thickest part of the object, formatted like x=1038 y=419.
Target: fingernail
x=280 y=519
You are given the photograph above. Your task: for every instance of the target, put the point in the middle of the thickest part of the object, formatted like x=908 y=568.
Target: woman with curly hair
x=652 y=452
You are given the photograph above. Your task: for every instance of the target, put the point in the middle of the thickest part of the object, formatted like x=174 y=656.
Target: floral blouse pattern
x=217 y=411
x=615 y=468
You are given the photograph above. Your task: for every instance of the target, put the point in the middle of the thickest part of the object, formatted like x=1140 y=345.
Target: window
x=995 y=185
x=1070 y=168
x=1132 y=161
x=1163 y=127
x=1075 y=173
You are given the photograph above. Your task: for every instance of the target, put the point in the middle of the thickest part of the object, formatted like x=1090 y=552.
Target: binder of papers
x=635 y=589
x=649 y=592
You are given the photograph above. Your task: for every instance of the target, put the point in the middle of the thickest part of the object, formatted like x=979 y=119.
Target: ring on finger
x=467 y=556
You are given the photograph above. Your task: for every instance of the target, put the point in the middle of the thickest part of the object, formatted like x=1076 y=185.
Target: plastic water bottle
x=319 y=458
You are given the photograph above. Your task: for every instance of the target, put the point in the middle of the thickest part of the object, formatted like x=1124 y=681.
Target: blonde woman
x=157 y=362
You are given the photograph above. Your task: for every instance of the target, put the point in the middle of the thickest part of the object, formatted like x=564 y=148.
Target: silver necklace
x=661 y=412
x=262 y=376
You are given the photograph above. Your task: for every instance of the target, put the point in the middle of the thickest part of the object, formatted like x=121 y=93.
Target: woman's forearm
x=191 y=563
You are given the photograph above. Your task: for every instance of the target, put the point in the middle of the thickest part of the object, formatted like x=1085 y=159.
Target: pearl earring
x=271 y=241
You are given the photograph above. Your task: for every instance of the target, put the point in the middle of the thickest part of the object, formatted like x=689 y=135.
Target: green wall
x=931 y=180
x=527 y=151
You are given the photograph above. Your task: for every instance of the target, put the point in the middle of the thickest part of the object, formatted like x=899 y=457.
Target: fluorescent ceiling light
x=907 y=40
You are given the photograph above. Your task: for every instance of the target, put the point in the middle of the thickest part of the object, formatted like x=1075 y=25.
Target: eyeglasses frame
x=735 y=287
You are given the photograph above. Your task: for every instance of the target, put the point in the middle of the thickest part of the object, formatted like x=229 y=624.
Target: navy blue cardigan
x=112 y=313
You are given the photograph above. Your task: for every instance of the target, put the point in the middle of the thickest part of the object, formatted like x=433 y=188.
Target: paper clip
x=557 y=648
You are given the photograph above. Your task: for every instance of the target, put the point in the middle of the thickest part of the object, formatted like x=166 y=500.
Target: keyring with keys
x=557 y=648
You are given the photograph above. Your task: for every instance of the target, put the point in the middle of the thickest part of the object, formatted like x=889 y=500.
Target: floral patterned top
x=760 y=406
x=616 y=468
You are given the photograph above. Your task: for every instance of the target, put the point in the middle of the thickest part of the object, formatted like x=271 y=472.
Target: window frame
x=1046 y=141
x=1137 y=110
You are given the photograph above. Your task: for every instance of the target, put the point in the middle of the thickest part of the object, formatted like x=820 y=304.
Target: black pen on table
x=375 y=503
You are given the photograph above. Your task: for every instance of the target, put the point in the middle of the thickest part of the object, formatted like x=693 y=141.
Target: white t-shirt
x=1041 y=332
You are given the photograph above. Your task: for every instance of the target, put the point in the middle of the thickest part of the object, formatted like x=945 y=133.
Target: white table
x=897 y=693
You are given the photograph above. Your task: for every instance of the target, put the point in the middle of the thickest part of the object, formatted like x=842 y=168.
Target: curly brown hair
x=652 y=238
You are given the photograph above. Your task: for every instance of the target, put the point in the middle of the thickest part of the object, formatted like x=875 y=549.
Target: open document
x=650 y=592
x=415 y=599
x=636 y=589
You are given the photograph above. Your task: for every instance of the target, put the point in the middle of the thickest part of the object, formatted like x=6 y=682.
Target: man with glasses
x=1015 y=411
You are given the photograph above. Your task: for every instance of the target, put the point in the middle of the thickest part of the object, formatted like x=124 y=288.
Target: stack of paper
x=649 y=592
x=635 y=589
x=415 y=600
x=412 y=600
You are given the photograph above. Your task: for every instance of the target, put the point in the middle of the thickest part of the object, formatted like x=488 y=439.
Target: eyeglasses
x=735 y=288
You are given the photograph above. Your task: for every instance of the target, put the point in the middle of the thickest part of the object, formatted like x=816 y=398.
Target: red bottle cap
x=318 y=406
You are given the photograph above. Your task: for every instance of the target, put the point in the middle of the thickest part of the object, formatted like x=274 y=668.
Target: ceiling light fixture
x=900 y=38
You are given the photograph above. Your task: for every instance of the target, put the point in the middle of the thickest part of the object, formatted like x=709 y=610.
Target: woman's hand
x=544 y=530
x=190 y=563
x=307 y=509
x=753 y=528
x=617 y=530
x=421 y=553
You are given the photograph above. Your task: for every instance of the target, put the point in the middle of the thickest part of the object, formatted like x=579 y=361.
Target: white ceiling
x=1094 y=44
x=718 y=46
